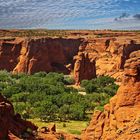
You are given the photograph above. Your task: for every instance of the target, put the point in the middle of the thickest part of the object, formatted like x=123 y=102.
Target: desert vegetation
x=47 y=96
x=33 y=33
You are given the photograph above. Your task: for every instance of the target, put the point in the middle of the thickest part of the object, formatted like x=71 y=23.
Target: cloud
x=68 y=14
x=137 y=16
x=122 y=16
x=126 y=17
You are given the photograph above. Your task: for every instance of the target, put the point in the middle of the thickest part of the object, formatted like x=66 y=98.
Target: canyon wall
x=103 y=56
x=84 y=68
x=121 y=117
x=33 y=55
x=84 y=57
x=111 y=54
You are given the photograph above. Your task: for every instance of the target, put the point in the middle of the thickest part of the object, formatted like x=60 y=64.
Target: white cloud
x=55 y=13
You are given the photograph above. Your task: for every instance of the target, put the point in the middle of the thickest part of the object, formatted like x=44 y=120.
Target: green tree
x=90 y=88
x=77 y=112
x=46 y=111
x=64 y=112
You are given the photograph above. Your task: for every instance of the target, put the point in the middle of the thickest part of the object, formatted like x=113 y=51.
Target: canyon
x=83 y=54
x=119 y=120
x=34 y=55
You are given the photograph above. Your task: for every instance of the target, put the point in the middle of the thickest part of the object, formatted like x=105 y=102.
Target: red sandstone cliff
x=70 y=54
x=111 y=54
x=33 y=55
x=11 y=124
x=121 y=117
x=84 y=67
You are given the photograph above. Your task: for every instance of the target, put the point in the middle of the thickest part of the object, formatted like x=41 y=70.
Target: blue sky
x=70 y=14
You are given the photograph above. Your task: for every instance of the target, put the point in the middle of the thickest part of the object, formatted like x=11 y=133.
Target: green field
x=72 y=127
x=47 y=97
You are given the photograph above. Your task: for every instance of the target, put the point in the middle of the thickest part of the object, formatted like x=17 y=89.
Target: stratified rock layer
x=121 y=117
x=34 y=55
x=111 y=54
x=72 y=54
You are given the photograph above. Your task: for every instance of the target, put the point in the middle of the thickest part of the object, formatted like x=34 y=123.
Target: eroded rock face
x=75 y=53
x=33 y=55
x=11 y=124
x=9 y=53
x=121 y=117
x=6 y=110
x=57 y=136
x=84 y=67
x=111 y=54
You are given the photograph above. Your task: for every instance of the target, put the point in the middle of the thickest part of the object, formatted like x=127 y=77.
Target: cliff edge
x=120 y=119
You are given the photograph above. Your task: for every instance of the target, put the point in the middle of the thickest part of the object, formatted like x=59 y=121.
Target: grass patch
x=76 y=132
x=72 y=127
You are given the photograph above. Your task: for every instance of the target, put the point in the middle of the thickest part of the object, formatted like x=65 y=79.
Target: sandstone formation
x=33 y=55
x=111 y=54
x=73 y=53
x=84 y=67
x=121 y=117
x=11 y=124
x=56 y=136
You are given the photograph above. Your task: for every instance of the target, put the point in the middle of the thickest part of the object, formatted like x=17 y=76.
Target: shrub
x=84 y=83
x=104 y=81
x=40 y=74
x=76 y=132
x=101 y=84
x=68 y=80
x=47 y=97
x=101 y=108
x=4 y=76
x=90 y=88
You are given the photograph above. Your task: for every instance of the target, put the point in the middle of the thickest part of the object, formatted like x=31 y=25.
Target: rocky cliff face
x=75 y=54
x=111 y=54
x=9 y=53
x=11 y=124
x=84 y=67
x=121 y=117
x=33 y=55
